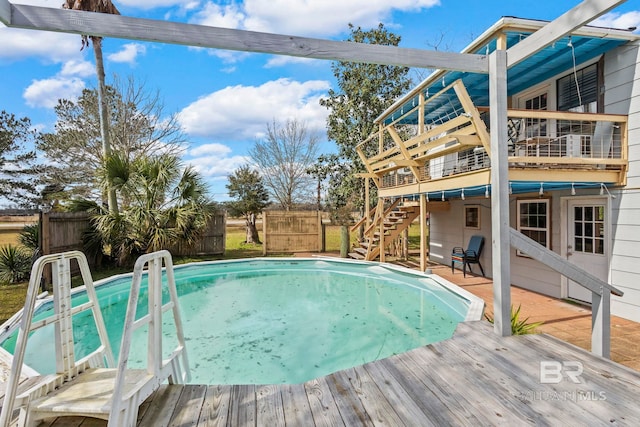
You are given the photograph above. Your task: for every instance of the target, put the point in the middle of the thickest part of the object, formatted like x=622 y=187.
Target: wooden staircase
x=391 y=222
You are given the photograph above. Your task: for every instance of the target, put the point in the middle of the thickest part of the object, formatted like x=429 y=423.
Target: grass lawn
x=12 y=296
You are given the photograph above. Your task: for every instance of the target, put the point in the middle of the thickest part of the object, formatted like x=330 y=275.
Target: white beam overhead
x=5 y=12
x=569 y=21
x=125 y=27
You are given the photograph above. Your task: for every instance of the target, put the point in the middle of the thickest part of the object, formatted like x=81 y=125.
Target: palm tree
x=162 y=204
x=101 y=6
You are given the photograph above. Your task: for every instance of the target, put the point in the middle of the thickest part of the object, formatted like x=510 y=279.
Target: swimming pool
x=281 y=320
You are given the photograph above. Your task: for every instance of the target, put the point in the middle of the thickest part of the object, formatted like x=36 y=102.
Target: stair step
x=397 y=215
x=360 y=250
x=356 y=255
x=409 y=211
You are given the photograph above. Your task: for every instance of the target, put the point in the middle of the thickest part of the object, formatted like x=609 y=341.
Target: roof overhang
x=587 y=43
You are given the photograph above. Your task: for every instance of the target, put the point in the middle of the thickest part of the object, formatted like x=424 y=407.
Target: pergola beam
x=5 y=12
x=571 y=20
x=130 y=28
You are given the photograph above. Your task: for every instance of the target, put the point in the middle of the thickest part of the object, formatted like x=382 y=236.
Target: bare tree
x=138 y=127
x=283 y=158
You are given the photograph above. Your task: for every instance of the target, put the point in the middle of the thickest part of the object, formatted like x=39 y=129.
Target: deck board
x=215 y=408
x=348 y=401
x=322 y=403
x=378 y=405
x=189 y=406
x=475 y=378
x=269 y=411
x=296 y=407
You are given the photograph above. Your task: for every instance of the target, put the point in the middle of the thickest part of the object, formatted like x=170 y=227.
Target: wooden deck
x=475 y=378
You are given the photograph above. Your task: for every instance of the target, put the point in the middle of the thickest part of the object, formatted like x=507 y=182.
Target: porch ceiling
x=550 y=61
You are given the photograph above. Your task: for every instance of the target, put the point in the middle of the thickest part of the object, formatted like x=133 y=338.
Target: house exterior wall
x=622 y=96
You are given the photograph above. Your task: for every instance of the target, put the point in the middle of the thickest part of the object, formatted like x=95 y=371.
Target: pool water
x=279 y=321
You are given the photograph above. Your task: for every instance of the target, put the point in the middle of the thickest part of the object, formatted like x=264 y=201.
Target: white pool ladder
x=92 y=387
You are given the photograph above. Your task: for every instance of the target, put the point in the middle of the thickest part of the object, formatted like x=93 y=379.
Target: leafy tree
x=251 y=197
x=282 y=159
x=162 y=204
x=100 y=6
x=364 y=92
x=138 y=127
x=18 y=168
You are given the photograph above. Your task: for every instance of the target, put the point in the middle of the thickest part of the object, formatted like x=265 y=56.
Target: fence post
x=45 y=245
x=320 y=233
x=265 y=238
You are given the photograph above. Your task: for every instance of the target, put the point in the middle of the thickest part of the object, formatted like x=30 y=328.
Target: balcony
x=444 y=142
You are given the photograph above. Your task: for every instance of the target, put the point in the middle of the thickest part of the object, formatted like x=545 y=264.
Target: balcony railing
x=404 y=153
x=562 y=139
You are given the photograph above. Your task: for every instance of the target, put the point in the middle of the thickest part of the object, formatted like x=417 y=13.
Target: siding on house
x=622 y=96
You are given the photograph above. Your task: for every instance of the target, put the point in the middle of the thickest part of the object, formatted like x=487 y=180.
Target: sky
x=223 y=99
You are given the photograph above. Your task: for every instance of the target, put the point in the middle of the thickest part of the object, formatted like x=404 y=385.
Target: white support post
x=601 y=323
x=423 y=233
x=501 y=245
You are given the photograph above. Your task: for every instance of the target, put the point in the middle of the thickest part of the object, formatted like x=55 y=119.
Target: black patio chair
x=469 y=256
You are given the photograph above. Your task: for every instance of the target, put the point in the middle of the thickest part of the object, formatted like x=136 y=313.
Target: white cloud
x=128 y=53
x=619 y=20
x=78 y=68
x=215 y=164
x=210 y=149
x=328 y=17
x=16 y=44
x=279 y=61
x=242 y=112
x=45 y=93
x=227 y=16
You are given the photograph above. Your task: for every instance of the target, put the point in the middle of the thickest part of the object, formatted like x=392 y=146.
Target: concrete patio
x=567 y=321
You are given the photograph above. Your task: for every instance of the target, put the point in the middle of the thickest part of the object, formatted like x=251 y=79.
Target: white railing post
x=601 y=323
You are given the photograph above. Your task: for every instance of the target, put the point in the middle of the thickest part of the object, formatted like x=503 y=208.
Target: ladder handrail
x=61 y=279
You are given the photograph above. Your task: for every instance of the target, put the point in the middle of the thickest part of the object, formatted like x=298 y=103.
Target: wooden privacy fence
x=63 y=231
x=212 y=241
x=292 y=231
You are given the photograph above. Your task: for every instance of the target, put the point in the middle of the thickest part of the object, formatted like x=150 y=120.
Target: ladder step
x=355 y=255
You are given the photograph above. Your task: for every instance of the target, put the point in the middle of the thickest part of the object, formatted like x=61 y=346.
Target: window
x=588 y=235
x=533 y=221
x=581 y=97
x=472 y=216
x=536 y=127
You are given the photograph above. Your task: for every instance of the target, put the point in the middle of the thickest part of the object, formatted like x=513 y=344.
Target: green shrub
x=30 y=237
x=15 y=264
x=518 y=327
